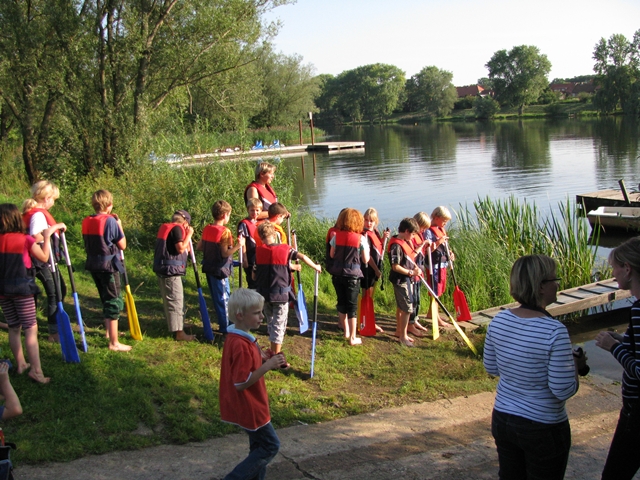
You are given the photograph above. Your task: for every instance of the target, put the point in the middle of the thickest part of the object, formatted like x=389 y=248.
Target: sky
x=455 y=35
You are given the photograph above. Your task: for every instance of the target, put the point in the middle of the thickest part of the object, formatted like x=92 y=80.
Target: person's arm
x=273 y=363
x=121 y=243
x=183 y=246
x=489 y=355
x=612 y=342
x=42 y=251
x=37 y=225
x=562 y=373
x=396 y=267
x=227 y=241
x=12 y=406
x=308 y=261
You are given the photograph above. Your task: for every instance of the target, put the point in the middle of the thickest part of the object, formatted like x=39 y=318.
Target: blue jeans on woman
x=623 y=460
x=530 y=450
x=263 y=447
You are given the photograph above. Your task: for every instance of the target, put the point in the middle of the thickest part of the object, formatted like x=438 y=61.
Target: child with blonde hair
x=421 y=246
x=439 y=253
x=372 y=270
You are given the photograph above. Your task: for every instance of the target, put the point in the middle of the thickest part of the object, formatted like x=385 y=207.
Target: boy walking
x=170 y=265
x=103 y=239
x=402 y=256
x=243 y=394
x=217 y=263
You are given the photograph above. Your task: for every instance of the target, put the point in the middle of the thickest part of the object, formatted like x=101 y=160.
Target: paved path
x=444 y=440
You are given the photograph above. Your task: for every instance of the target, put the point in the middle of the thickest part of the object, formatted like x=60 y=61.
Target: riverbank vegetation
x=167 y=392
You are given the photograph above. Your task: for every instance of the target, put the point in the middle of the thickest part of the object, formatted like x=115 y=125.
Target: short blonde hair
x=527 y=276
x=265 y=230
x=242 y=300
x=254 y=202
x=40 y=191
x=423 y=220
x=264 y=167
x=372 y=214
x=101 y=200
x=441 y=212
x=627 y=252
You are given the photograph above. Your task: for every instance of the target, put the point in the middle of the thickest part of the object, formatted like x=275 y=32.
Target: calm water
x=406 y=169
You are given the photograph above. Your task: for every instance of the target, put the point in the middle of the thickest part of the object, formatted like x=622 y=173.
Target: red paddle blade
x=460 y=303
x=366 y=319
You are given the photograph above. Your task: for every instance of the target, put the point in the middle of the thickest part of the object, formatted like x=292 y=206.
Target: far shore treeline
x=91 y=87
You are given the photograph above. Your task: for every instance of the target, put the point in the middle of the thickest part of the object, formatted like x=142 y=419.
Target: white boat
x=625 y=218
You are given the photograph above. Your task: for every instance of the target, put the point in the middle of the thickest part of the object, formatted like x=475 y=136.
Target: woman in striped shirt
x=623 y=460
x=531 y=353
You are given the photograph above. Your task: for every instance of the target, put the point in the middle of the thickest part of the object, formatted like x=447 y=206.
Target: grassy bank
x=167 y=392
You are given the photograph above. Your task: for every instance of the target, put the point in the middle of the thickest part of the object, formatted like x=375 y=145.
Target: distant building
x=473 y=90
x=572 y=89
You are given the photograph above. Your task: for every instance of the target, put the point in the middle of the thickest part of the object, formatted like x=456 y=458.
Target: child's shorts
x=108 y=285
x=403 y=294
x=277 y=315
x=347 y=290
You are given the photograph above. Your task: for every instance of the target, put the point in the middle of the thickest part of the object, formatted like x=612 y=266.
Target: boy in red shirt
x=243 y=394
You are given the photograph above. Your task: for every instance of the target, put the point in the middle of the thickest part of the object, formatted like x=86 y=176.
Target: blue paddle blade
x=204 y=314
x=301 y=310
x=76 y=302
x=67 y=341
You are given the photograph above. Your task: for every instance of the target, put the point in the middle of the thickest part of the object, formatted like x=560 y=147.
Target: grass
x=167 y=392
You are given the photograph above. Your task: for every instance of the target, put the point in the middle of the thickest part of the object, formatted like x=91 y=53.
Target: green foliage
x=548 y=96
x=519 y=76
x=485 y=107
x=464 y=103
x=431 y=91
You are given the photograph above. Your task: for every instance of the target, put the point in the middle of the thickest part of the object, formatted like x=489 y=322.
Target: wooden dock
x=333 y=146
x=569 y=301
x=606 y=198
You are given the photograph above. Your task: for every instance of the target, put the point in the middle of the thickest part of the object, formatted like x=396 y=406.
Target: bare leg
x=112 y=329
x=342 y=323
x=183 y=337
x=15 y=342
x=353 y=339
x=403 y=322
x=276 y=348
x=33 y=350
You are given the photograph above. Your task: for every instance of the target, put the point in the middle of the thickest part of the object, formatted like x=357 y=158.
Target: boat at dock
x=619 y=218
x=609 y=198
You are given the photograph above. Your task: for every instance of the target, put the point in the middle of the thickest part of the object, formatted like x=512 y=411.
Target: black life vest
x=273 y=274
x=100 y=256
x=266 y=194
x=251 y=241
x=213 y=262
x=328 y=261
x=16 y=278
x=346 y=258
x=164 y=263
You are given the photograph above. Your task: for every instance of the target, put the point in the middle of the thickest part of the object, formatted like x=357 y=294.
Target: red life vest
x=164 y=263
x=396 y=277
x=251 y=241
x=55 y=239
x=100 y=256
x=16 y=278
x=266 y=194
x=26 y=217
x=346 y=258
x=273 y=274
x=375 y=242
x=213 y=262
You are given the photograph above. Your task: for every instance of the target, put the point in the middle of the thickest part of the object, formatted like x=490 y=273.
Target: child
x=170 y=265
x=421 y=244
x=218 y=248
x=247 y=229
x=103 y=239
x=372 y=270
x=439 y=257
x=261 y=188
x=12 y=407
x=36 y=218
x=403 y=267
x=277 y=214
x=243 y=394
x=18 y=287
x=349 y=248
x=272 y=274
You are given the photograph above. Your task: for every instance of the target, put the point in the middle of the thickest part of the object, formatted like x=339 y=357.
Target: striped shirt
x=533 y=358
x=625 y=354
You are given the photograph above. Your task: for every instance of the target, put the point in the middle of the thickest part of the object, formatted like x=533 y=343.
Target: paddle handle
x=124 y=268
x=240 y=268
x=384 y=251
x=294 y=240
x=453 y=272
x=193 y=262
x=68 y=260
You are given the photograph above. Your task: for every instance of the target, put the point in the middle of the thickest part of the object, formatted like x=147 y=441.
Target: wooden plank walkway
x=606 y=198
x=571 y=300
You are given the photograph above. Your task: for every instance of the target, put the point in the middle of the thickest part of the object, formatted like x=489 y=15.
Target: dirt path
x=447 y=439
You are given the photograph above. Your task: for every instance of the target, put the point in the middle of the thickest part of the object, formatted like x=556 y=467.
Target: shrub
x=485 y=107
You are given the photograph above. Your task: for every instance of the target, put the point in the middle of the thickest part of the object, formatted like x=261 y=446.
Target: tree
x=485 y=83
x=485 y=107
x=519 y=76
x=617 y=67
x=432 y=92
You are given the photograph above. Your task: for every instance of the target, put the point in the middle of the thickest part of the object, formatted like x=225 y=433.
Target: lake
x=406 y=169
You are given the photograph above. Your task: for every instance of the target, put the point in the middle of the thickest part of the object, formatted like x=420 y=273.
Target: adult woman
x=261 y=188
x=531 y=353
x=623 y=460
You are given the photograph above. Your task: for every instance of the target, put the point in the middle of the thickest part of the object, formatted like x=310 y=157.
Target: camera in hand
x=579 y=353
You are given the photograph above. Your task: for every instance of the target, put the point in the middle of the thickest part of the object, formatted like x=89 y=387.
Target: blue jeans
x=623 y=460
x=220 y=291
x=263 y=447
x=530 y=450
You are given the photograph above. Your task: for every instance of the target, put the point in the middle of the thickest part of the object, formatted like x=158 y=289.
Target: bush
x=485 y=107
x=464 y=103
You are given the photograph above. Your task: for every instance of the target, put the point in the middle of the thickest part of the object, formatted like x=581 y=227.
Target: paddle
x=67 y=342
x=459 y=300
x=434 y=306
x=239 y=269
x=132 y=313
x=444 y=309
x=315 y=323
x=301 y=303
x=384 y=250
x=204 y=313
x=76 y=301
x=366 y=320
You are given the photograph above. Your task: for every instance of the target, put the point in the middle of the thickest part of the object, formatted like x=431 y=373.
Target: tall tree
x=432 y=92
x=617 y=67
x=519 y=76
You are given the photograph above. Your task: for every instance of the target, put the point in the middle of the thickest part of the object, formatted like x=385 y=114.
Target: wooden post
x=624 y=192
x=300 y=128
x=302 y=163
x=314 y=164
x=311 y=124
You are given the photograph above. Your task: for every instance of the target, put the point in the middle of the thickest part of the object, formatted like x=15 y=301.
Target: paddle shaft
x=315 y=323
x=453 y=272
x=240 y=269
x=384 y=250
x=74 y=291
x=195 y=268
